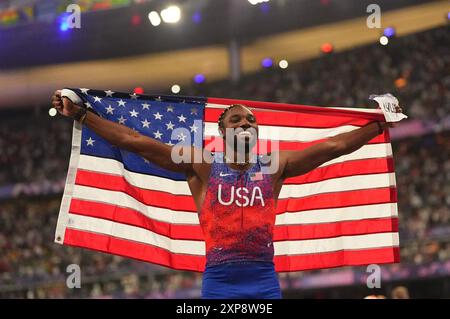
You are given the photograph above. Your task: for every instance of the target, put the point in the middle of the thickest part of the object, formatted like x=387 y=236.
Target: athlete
x=235 y=196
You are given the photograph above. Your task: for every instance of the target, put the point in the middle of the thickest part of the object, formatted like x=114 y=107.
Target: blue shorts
x=241 y=280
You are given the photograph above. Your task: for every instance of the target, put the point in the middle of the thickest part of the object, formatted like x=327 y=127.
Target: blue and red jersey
x=238 y=214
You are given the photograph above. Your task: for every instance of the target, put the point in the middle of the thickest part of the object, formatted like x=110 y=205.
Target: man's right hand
x=64 y=106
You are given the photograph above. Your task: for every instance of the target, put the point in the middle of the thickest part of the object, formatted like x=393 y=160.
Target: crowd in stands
x=35 y=148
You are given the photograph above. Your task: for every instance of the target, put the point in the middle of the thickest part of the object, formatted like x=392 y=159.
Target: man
x=235 y=193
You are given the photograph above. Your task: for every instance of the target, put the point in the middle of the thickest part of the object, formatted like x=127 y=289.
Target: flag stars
x=170 y=125
x=84 y=91
x=193 y=128
x=134 y=113
x=121 y=102
x=122 y=120
x=90 y=142
x=88 y=105
x=97 y=99
x=158 y=116
x=157 y=134
x=181 y=137
x=181 y=118
x=145 y=123
x=109 y=93
x=146 y=106
x=194 y=111
x=134 y=96
x=170 y=108
x=170 y=143
x=110 y=110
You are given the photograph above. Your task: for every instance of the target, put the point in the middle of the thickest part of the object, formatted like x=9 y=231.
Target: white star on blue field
x=158 y=117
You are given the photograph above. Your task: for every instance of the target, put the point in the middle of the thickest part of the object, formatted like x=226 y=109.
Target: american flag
x=342 y=213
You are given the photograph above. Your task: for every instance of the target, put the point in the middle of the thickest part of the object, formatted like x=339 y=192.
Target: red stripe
x=162 y=257
x=321 y=120
x=337 y=259
x=298 y=108
x=194 y=232
x=145 y=196
x=215 y=144
x=140 y=251
x=338 y=199
x=329 y=230
x=134 y=218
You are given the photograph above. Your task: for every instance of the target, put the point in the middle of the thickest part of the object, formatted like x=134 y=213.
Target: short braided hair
x=222 y=116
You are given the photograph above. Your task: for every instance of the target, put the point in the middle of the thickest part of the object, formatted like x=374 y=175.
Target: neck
x=239 y=160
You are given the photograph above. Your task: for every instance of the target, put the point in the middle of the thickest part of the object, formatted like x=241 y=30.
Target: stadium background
x=220 y=48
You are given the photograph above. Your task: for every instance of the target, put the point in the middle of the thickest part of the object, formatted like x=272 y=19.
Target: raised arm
x=294 y=163
x=124 y=137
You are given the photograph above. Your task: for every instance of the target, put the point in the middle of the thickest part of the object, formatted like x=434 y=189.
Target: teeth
x=245 y=134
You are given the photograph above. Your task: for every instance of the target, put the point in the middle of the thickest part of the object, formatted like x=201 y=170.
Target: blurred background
x=313 y=52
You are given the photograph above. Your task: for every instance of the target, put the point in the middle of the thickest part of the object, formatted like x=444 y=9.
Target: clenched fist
x=63 y=105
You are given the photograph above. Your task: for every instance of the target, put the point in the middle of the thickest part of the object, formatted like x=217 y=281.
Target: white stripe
x=114 y=167
x=136 y=234
x=126 y=201
x=333 y=215
x=316 y=246
x=215 y=106
x=361 y=110
x=70 y=182
x=366 y=152
x=340 y=184
x=282 y=133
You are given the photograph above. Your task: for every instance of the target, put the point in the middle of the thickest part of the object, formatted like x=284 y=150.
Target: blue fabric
x=182 y=112
x=241 y=280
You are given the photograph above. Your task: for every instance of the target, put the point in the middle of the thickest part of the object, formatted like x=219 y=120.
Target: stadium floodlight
x=327 y=48
x=63 y=22
x=154 y=18
x=389 y=32
x=199 y=79
x=283 y=64
x=267 y=63
x=171 y=14
x=52 y=112
x=176 y=89
x=384 y=40
x=197 y=17
x=255 y=2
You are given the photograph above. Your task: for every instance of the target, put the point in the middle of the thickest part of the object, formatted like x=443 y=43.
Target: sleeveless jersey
x=238 y=214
